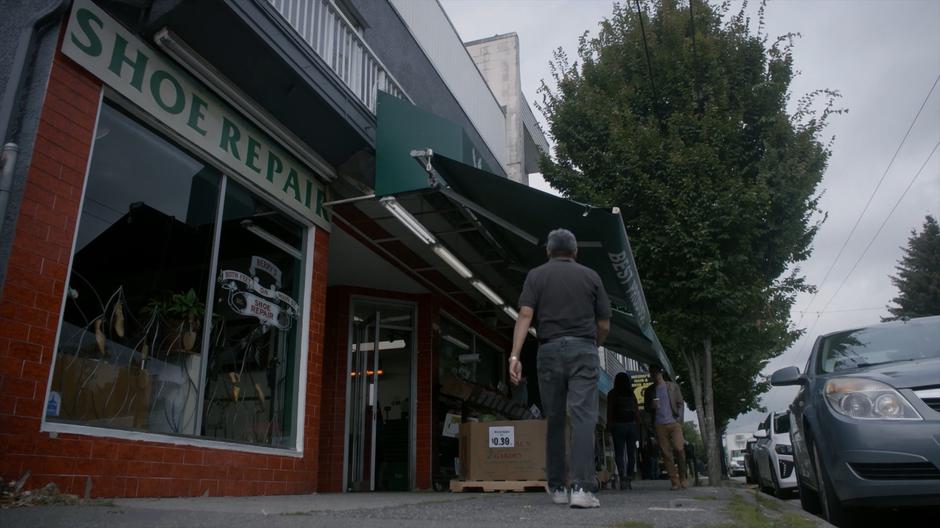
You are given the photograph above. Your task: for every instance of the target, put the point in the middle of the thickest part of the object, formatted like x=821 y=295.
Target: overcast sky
x=883 y=56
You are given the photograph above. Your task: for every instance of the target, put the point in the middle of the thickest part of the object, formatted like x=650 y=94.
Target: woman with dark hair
x=623 y=411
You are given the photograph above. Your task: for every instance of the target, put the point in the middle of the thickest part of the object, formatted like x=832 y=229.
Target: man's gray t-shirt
x=568 y=299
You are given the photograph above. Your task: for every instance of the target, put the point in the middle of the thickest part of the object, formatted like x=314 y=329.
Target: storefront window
x=471 y=386
x=465 y=356
x=252 y=364
x=131 y=352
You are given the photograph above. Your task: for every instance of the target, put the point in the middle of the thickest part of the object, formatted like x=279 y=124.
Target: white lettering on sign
x=503 y=436
x=263 y=310
x=270 y=307
x=265 y=265
x=625 y=268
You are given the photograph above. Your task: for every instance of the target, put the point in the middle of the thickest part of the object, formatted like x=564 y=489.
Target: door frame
x=412 y=412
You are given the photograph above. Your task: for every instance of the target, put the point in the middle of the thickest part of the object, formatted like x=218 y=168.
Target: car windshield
x=782 y=423
x=878 y=345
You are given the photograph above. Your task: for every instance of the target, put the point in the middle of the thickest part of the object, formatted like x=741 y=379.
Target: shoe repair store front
x=189 y=330
x=426 y=272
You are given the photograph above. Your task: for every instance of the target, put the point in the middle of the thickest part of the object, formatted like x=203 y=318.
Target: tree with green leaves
x=677 y=113
x=918 y=278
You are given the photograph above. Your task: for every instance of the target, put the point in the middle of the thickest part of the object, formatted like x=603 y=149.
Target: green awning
x=519 y=218
x=498 y=226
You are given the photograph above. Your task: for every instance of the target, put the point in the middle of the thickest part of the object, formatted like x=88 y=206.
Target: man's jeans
x=567 y=369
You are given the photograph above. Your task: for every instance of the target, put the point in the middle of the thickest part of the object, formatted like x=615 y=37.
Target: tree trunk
x=694 y=365
x=711 y=435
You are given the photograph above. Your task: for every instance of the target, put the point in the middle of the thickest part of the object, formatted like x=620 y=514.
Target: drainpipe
x=12 y=94
x=8 y=162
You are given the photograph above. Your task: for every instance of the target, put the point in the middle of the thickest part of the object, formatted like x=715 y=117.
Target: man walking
x=664 y=403
x=572 y=314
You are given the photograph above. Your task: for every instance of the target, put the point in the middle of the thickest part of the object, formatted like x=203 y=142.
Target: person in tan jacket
x=666 y=407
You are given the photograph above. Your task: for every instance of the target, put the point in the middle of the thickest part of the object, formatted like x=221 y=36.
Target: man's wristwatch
x=513 y=358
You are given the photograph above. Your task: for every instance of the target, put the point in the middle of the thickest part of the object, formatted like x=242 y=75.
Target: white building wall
x=428 y=23
x=498 y=61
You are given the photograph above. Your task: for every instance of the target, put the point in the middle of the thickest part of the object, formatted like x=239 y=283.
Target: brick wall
x=332 y=423
x=29 y=316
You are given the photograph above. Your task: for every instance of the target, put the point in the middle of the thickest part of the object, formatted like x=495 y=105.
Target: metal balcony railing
x=330 y=34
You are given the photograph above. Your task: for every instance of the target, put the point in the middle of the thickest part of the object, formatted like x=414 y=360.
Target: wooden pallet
x=491 y=486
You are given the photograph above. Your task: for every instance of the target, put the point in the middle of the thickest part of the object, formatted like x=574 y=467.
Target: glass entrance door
x=380 y=391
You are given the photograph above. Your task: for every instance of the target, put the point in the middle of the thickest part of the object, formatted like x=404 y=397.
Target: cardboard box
x=510 y=450
x=98 y=393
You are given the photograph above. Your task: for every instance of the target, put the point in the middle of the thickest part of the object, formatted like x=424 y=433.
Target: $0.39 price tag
x=503 y=436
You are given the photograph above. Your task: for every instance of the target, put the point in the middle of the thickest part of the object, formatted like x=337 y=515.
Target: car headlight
x=783 y=449
x=866 y=399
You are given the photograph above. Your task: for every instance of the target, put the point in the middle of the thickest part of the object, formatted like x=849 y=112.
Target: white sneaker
x=559 y=496
x=583 y=499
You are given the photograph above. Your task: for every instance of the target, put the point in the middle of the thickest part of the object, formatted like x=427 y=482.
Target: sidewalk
x=649 y=505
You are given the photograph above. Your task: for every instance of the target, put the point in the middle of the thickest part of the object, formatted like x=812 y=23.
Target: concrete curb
x=752 y=492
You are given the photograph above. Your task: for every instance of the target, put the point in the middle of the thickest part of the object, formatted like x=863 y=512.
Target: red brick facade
x=29 y=316
x=30 y=309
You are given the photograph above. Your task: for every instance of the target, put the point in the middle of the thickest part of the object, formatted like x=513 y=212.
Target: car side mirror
x=760 y=433
x=787 y=376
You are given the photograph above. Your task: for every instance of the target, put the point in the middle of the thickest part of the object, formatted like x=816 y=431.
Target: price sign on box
x=503 y=436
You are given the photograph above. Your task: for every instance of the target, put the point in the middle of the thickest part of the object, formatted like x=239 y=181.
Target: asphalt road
x=649 y=502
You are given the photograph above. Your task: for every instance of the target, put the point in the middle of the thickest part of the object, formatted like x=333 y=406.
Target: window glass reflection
x=252 y=365
x=131 y=352
x=128 y=352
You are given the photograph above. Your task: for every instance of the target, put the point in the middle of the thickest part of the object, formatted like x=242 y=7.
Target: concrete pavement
x=650 y=504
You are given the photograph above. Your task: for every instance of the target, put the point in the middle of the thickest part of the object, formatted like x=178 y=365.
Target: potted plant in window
x=183 y=314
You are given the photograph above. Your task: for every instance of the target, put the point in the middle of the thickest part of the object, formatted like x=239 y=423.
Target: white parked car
x=736 y=464
x=773 y=455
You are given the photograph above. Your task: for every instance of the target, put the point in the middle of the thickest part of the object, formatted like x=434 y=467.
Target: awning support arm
x=482 y=211
x=424 y=158
x=349 y=200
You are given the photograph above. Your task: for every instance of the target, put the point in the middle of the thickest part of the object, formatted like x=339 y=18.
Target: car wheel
x=809 y=500
x=830 y=506
x=763 y=485
x=762 y=482
x=779 y=492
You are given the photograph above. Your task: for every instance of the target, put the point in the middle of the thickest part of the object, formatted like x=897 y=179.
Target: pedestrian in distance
x=571 y=311
x=663 y=401
x=623 y=413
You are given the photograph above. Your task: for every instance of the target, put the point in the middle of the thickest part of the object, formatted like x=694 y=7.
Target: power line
x=698 y=83
x=870 y=242
x=649 y=63
x=878 y=232
x=871 y=197
x=879 y=308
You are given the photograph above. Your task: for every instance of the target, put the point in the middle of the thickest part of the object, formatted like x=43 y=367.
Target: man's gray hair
x=561 y=242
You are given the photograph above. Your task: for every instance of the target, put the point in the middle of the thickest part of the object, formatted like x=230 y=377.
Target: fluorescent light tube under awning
x=453 y=262
x=488 y=293
x=403 y=216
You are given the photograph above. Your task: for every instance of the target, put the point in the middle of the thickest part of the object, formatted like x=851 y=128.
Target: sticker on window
x=246 y=295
